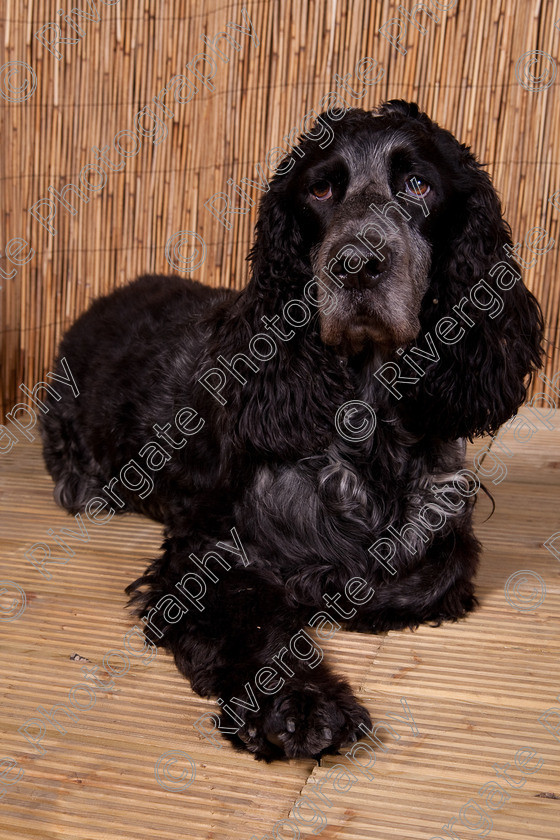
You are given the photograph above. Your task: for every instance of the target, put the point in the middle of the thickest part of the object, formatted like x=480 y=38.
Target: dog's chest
x=325 y=507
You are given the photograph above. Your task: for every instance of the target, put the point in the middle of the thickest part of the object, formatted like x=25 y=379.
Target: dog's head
x=366 y=207
x=395 y=222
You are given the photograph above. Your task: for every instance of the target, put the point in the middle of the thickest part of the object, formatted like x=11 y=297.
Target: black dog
x=299 y=439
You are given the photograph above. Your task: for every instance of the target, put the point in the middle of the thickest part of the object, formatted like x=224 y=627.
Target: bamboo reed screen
x=471 y=67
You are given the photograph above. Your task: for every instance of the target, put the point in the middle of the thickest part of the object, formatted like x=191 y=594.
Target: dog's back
x=122 y=354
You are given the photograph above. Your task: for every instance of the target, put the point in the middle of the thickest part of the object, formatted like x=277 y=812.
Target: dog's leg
x=440 y=588
x=234 y=636
x=76 y=474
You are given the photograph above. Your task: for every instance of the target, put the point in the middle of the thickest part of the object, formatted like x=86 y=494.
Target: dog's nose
x=359 y=269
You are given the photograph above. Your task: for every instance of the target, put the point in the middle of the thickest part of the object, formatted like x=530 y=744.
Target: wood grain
x=475 y=690
x=460 y=69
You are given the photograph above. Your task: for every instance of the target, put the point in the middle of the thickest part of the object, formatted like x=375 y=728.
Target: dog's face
x=389 y=226
x=369 y=206
x=370 y=200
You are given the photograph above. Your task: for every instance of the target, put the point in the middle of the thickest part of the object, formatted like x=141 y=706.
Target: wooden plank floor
x=477 y=756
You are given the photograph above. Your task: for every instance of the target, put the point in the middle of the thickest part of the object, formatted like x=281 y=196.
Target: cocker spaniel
x=303 y=440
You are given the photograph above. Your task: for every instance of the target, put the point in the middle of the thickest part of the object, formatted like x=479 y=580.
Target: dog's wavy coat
x=399 y=223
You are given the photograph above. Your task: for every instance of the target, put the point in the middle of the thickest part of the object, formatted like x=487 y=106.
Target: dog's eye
x=322 y=190
x=416 y=186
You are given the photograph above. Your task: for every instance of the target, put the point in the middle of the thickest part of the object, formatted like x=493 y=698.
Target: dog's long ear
x=276 y=255
x=488 y=352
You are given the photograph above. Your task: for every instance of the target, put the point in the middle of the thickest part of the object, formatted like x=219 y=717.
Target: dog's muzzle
x=360 y=266
x=378 y=274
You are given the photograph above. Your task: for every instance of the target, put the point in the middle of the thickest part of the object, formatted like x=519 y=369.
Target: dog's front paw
x=456 y=604
x=304 y=720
